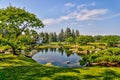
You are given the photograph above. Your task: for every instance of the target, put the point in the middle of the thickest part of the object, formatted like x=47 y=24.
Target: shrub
x=109 y=55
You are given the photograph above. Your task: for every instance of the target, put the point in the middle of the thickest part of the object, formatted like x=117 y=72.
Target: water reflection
x=61 y=50
x=58 y=57
x=52 y=49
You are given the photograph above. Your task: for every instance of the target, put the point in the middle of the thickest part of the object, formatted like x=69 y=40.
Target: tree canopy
x=82 y=40
x=111 y=40
x=14 y=21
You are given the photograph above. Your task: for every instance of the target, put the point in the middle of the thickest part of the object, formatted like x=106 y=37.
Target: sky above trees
x=92 y=17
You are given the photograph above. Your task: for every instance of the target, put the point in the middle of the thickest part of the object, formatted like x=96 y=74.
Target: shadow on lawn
x=27 y=69
x=34 y=72
x=65 y=77
x=106 y=75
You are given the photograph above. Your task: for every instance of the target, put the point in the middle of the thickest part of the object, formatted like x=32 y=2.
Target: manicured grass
x=22 y=68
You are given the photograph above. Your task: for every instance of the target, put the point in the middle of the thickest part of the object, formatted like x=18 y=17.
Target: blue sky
x=90 y=17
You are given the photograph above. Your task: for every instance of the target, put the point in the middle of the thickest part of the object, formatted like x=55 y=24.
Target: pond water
x=58 y=57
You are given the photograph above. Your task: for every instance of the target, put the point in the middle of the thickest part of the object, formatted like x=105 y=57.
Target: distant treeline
x=61 y=37
x=73 y=36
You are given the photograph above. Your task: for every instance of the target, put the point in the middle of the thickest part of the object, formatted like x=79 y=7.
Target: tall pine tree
x=61 y=36
x=67 y=33
x=46 y=37
x=51 y=37
x=73 y=33
x=54 y=37
x=77 y=33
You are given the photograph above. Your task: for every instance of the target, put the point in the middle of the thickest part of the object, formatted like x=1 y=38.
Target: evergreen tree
x=73 y=33
x=41 y=34
x=77 y=33
x=51 y=38
x=67 y=33
x=61 y=36
x=54 y=37
x=46 y=37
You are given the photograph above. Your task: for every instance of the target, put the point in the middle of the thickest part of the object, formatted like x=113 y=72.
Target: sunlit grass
x=22 y=68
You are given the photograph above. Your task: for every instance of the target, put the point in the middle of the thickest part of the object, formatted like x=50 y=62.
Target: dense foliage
x=13 y=22
x=63 y=36
x=69 y=40
x=84 y=39
x=109 y=55
x=111 y=40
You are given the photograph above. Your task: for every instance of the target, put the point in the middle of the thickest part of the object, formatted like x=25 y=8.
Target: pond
x=58 y=57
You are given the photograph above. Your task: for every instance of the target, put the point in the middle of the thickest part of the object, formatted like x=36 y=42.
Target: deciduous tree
x=14 y=21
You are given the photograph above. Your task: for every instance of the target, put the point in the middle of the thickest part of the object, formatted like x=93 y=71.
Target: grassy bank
x=22 y=68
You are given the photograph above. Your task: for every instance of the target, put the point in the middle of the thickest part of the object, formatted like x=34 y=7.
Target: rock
x=34 y=51
x=28 y=56
x=10 y=50
x=68 y=62
x=7 y=52
x=49 y=64
x=2 y=51
x=22 y=51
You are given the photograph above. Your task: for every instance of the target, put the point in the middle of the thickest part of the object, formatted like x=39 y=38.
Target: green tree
x=14 y=21
x=61 y=36
x=77 y=33
x=25 y=38
x=51 y=37
x=69 y=40
x=73 y=33
x=67 y=33
x=111 y=40
x=34 y=35
x=41 y=34
x=98 y=38
x=54 y=37
x=82 y=40
x=46 y=37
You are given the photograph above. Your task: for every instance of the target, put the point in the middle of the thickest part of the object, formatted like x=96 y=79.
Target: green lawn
x=22 y=68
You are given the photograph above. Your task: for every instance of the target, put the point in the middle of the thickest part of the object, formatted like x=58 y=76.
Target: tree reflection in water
x=58 y=57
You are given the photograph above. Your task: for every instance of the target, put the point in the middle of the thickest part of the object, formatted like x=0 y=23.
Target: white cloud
x=48 y=21
x=54 y=21
x=111 y=16
x=64 y=18
x=69 y=5
x=81 y=6
x=78 y=15
x=86 y=5
x=90 y=14
x=115 y=15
